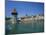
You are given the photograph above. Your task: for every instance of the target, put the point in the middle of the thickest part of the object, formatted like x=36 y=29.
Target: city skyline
x=23 y=8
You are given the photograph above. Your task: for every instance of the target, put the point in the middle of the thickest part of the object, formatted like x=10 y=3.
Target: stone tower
x=14 y=16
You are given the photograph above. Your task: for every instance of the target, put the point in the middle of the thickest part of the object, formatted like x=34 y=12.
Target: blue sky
x=23 y=8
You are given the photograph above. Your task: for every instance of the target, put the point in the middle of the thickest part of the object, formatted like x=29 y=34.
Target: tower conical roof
x=14 y=10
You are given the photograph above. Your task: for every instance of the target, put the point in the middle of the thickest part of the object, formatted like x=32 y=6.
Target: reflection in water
x=34 y=26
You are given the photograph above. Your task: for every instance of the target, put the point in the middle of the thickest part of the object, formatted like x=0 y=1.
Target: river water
x=34 y=26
